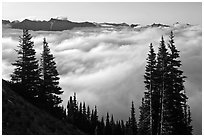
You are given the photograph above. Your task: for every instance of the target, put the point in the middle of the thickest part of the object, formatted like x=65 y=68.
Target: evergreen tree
x=70 y=109
x=88 y=113
x=133 y=122
x=122 y=127
x=176 y=96
x=118 y=128
x=144 y=122
x=149 y=109
x=27 y=74
x=75 y=103
x=112 y=125
x=164 y=108
x=80 y=116
x=101 y=127
x=95 y=119
x=84 y=109
x=128 y=129
x=189 y=127
x=162 y=79
x=50 y=77
x=95 y=113
x=80 y=108
x=107 y=127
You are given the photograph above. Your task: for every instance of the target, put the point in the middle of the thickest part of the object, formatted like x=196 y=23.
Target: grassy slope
x=21 y=117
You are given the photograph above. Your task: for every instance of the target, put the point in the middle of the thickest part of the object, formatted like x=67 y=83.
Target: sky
x=104 y=65
x=130 y=12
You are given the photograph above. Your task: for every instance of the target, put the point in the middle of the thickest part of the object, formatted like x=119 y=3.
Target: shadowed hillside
x=21 y=117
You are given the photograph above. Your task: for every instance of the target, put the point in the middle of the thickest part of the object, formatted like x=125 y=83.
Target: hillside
x=20 y=117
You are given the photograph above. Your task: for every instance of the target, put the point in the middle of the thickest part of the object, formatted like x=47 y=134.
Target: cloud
x=105 y=67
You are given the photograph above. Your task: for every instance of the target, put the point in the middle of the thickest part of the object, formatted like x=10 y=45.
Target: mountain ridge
x=56 y=24
x=51 y=25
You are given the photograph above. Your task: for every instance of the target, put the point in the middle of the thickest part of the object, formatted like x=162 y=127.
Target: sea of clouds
x=105 y=66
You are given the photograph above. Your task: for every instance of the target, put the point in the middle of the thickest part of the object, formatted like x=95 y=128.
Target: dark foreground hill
x=21 y=117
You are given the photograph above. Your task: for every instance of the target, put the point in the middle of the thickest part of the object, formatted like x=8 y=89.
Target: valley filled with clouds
x=105 y=66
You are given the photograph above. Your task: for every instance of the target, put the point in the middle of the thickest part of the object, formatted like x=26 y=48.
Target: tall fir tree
x=162 y=80
x=177 y=96
x=151 y=95
x=27 y=74
x=50 y=77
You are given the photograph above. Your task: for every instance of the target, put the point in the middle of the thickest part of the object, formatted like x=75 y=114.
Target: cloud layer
x=105 y=67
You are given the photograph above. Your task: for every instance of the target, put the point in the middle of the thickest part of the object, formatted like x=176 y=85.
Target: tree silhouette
x=144 y=122
x=101 y=127
x=162 y=71
x=112 y=125
x=133 y=122
x=107 y=127
x=88 y=113
x=151 y=95
x=177 y=97
x=50 y=77
x=164 y=108
x=27 y=74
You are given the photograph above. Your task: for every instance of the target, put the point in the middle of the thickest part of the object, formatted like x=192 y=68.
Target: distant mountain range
x=60 y=25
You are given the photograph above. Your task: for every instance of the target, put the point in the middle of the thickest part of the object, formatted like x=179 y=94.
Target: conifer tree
x=27 y=74
x=80 y=108
x=88 y=113
x=118 y=128
x=95 y=113
x=149 y=109
x=189 y=119
x=162 y=79
x=75 y=103
x=112 y=125
x=151 y=95
x=107 y=127
x=84 y=109
x=50 y=77
x=70 y=108
x=101 y=127
x=143 y=125
x=80 y=113
x=95 y=118
x=177 y=96
x=164 y=108
x=122 y=127
x=133 y=122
